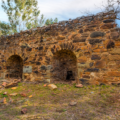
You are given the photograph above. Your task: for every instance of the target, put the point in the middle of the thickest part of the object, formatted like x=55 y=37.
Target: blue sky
x=63 y=9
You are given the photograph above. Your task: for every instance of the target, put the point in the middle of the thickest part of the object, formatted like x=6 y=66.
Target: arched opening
x=64 y=66
x=14 y=67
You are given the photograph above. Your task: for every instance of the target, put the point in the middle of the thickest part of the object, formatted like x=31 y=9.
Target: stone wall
x=89 y=46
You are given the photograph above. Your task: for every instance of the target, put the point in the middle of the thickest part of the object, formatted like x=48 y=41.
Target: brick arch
x=14 y=66
x=18 y=52
x=68 y=46
x=12 y=55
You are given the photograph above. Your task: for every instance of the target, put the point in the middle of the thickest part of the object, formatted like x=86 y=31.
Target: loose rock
x=52 y=86
x=4 y=84
x=5 y=93
x=79 y=86
x=13 y=94
x=24 y=111
x=23 y=94
x=11 y=85
x=73 y=103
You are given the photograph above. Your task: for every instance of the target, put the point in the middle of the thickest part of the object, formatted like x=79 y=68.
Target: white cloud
x=67 y=8
x=62 y=9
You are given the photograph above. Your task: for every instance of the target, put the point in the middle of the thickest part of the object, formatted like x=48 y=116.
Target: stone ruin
x=85 y=50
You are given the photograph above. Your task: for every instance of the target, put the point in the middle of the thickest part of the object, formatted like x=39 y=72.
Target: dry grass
x=93 y=103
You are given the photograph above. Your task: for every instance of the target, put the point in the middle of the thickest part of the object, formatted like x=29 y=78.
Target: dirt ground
x=65 y=103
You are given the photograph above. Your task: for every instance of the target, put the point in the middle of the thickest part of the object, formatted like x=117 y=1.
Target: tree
x=5 y=28
x=112 y=5
x=22 y=13
x=51 y=21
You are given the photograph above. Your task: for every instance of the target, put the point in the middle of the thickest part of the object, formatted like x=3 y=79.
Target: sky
x=63 y=9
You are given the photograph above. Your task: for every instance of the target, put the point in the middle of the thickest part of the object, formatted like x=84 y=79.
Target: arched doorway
x=64 y=66
x=14 y=67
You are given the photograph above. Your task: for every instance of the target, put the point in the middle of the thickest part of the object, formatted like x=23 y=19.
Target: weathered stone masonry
x=85 y=49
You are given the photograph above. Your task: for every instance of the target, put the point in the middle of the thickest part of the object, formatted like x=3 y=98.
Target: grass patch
x=93 y=102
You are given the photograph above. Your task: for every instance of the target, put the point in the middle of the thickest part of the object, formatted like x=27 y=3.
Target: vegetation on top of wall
x=22 y=15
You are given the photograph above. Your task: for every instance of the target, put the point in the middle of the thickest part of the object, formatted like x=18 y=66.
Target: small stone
x=23 y=94
x=45 y=85
x=92 y=92
x=47 y=81
x=4 y=84
x=3 y=100
x=11 y=100
x=11 y=85
x=73 y=82
x=13 y=94
x=13 y=88
x=73 y=103
x=24 y=111
x=52 y=86
x=5 y=93
x=79 y=86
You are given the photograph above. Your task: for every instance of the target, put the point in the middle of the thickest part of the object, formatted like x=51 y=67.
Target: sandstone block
x=117 y=43
x=60 y=37
x=108 y=26
x=83 y=65
x=114 y=57
x=95 y=57
x=115 y=51
x=92 y=70
x=82 y=59
x=97 y=34
x=108 y=21
x=88 y=29
x=100 y=64
x=94 y=41
x=79 y=40
x=81 y=31
x=114 y=35
x=114 y=73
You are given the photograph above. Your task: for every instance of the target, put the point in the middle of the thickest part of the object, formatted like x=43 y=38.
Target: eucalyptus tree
x=51 y=21
x=22 y=14
x=5 y=28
